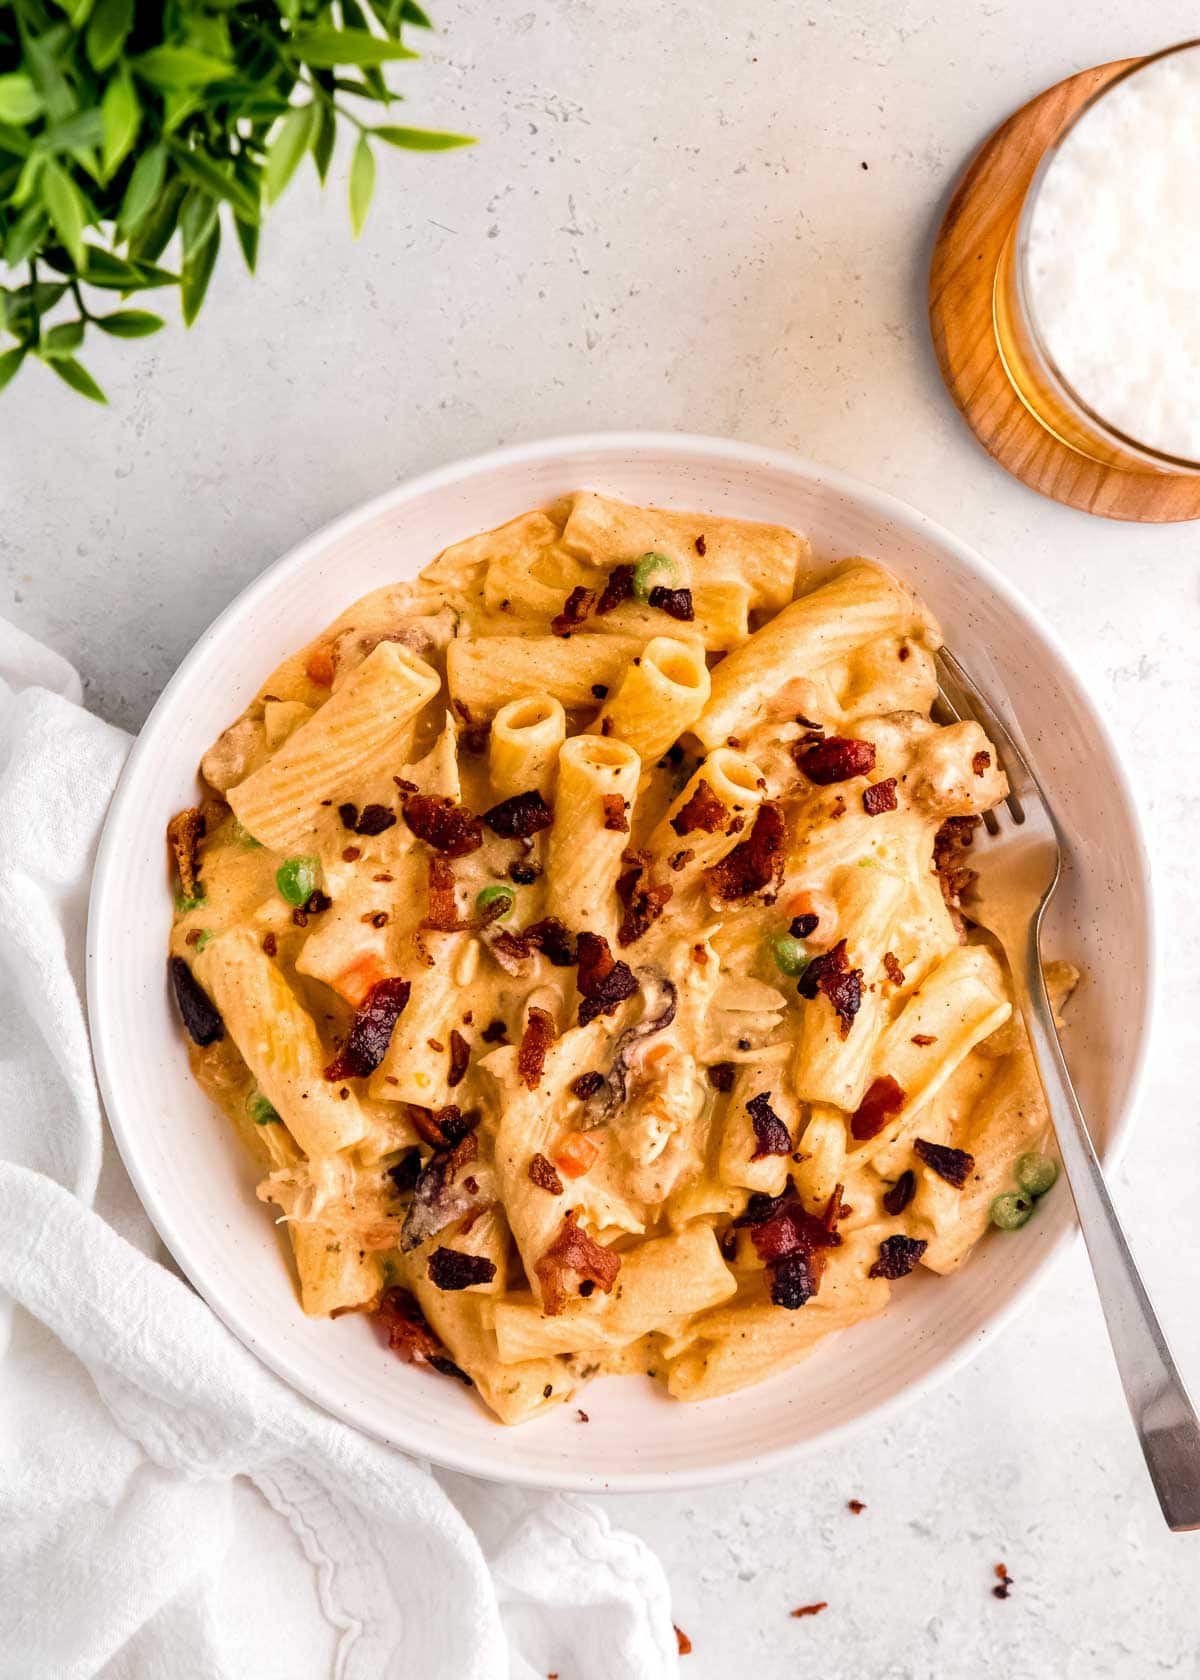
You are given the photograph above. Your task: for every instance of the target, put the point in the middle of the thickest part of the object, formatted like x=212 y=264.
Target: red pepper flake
x=855 y=1505
x=682 y=1643
x=449 y=1269
x=460 y=1055
x=1005 y=1580
x=835 y=758
x=904 y=652
x=677 y=603
x=577 y=607
x=981 y=762
x=270 y=944
x=771 y=1135
x=842 y=985
x=574 y=1252
x=921 y=1040
x=586 y=1085
x=883 y=1098
x=449 y=828
x=542 y=1173
x=891 y=967
x=704 y=810
x=757 y=862
x=901 y=1193
x=603 y=981
x=537 y=1038
x=370 y=1031
x=721 y=1075
x=582 y=1415
x=880 y=797
x=618 y=588
x=811 y=1609
x=615 y=819
x=954 y=1165
x=700 y=545
x=518 y=818
x=436 y=1044
x=897 y=1257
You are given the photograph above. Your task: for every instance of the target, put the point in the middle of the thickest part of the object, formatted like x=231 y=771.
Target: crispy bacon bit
x=349 y=815
x=473 y=738
x=1005 y=1580
x=442 y=913
x=897 y=1257
x=883 y=1098
x=950 y=845
x=790 y=1241
x=517 y=818
x=511 y=950
x=677 y=603
x=833 y=758
x=921 y=1040
x=406 y=1171
x=320 y=667
x=756 y=863
x=586 y=1085
x=447 y=827
x=523 y=874
x=891 y=967
x=603 y=981
x=542 y=1173
x=444 y=1128
x=370 y=1031
x=954 y=1165
x=841 y=984
x=682 y=1643
x=574 y=1252
x=449 y=1269
x=803 y=926
x=771 y=1135
x=199 y=1012
x=553 y=939
x=703 y=810
x=406 y=1327
x=577 y=606
x=406 y=786
x=811 y=1609
x=614 y=813
x=618 y=588
x=981 y=762
x=270 y=944
x=537 y=1038
x=679 y=860
x=721 y=1075
x=375 y=819
x=644 y=898
x=495 y=1033
x=855 y=1505
x=901 y=1193
x=880 y=797
x=460 y=1055
x=184 y=834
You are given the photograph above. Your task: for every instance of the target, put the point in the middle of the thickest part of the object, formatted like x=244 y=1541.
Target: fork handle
x=1163 y=1414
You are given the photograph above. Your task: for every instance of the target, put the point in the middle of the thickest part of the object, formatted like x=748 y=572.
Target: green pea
x=1035 y=1173
x=791 y=955
x=650 y=570
x=495 y=895
x=296 y=879
x=202 y=939
x=262 y=1112
x=244 y=838
x=183 y=903
x=1010 y=1211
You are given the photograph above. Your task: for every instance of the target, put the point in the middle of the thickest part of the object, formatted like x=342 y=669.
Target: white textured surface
x=684 y=236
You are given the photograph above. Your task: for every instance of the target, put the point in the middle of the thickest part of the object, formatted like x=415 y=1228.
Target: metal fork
x=1020 y=866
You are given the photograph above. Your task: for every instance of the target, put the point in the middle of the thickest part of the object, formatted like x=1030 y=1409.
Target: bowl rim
x=687 y=446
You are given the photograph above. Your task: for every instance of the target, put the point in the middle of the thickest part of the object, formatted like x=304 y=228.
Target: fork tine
x=968 y=699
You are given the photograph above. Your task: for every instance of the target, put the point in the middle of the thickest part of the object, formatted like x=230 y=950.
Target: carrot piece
x=320 y=668
x=355 y=982
x=577 y=1154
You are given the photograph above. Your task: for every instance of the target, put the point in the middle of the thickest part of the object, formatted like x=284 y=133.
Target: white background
x=668 y=224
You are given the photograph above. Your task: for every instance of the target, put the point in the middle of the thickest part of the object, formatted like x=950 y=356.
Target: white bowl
x=199 y=1189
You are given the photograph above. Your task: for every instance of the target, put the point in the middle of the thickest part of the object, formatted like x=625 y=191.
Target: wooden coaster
x=986 y=202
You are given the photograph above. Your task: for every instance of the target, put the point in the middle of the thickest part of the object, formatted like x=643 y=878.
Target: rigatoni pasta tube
x=662 y=692
x=375 y=709
x=854 y=607
x=335 y=1274
x=485 y=673
x=523 y=745
x=583 y=857
x=733 y=779
x=413 y=1070
x=278 y=1042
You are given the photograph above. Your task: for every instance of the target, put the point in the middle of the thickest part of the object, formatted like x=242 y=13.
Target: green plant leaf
x=154 y=235
x=122 y=117
x=362 y=184
x=145 y=184
x=326 y=48
x=85 y=128
x=203 y=172
x=114 y=274
x=28 y=182
x=14 y=142
x=77 y=377
x=287 y=148
x=62 y=340
x=323 y=141
x=410 y=12
x=179 y=67
x=421 y=139
x=48 y=77
x=196 y=221
x=197 y=272
x=111 y=23
x=25 y=235
x=247 y=233
x=129 y=323
x=20 y=101
x=61 y=198
x=354 y=17
x=10 y=361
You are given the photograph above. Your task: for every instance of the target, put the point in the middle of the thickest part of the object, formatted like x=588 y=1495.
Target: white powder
x=1113 y=256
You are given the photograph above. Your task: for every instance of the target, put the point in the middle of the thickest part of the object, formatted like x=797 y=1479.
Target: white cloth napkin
x=168 y=1507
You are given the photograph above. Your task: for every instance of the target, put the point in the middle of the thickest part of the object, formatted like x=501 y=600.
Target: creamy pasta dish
x=574 y=937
